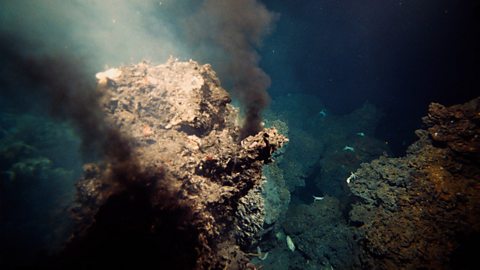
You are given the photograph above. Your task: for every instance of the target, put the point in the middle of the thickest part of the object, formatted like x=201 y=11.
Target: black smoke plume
x=142 y=223
x=50 y=52
x=238 y=27
x=61 y=84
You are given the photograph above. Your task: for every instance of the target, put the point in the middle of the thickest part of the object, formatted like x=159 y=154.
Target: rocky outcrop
x=322 y=152
x=316 y=157
x=422 y=211
x=202 y=193
x=36 y=187
x=320 y=236
x=456 y=127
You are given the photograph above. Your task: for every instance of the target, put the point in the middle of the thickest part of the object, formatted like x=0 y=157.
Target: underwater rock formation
x=313 y=168
x=324 y=148
x=275 y=193
x=320 y=235
x=422 y=211
x=199 y=204
x=274 y=189
x=35 y=175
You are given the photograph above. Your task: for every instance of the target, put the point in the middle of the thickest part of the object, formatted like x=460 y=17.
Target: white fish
x=352 y=176
x=290 y=244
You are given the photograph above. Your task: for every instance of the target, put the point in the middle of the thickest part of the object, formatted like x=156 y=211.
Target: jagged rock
x=456 y=126
x=182 y=127
x=320 y=234
x=421 y=211
x=250 y=215
x=36 y=187
x=275 y=193
x=315 y=152
x=274 y=189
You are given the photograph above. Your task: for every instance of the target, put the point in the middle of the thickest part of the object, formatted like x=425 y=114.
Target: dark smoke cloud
x=113 y=32
x=52 y=49
x=238 y=27
x=143 y=197
x=50 y=52
x=71 y=96
x=61 y=85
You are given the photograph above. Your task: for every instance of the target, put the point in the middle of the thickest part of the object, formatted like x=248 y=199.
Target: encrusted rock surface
x=320 y=235
x=456 y=126
x=422 y=211
x=316 y=152
x=182 y=125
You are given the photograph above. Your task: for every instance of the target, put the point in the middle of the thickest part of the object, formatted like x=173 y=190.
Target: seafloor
x=182 y=191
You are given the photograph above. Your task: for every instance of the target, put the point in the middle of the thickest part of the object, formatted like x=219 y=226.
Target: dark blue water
x=399 y=55
x=349 y=79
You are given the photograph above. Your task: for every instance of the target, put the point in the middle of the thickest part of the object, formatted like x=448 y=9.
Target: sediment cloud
x=238 y=28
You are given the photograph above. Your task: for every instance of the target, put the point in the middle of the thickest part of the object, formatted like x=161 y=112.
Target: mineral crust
x=422 y=211
x=181 y=127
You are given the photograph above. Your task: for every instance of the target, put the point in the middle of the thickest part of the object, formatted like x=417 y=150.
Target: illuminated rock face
x=422 y=211
x=200 y=203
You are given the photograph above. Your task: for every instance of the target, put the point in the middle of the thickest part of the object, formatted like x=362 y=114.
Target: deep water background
x=399 y=55
x=371 y=66
x=39 y=164
x=343 y=67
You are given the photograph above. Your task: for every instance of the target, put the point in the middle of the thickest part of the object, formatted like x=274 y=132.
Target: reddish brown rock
x=196 y=201
x=422 y=211
x=457 y=126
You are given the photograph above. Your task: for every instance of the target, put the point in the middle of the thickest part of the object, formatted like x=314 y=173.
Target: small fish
x=315 y=198
x=322 y=113
x=261 y=256
x=361 y=134
x=290 y=244
x=348 y=148
x=352 y=176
